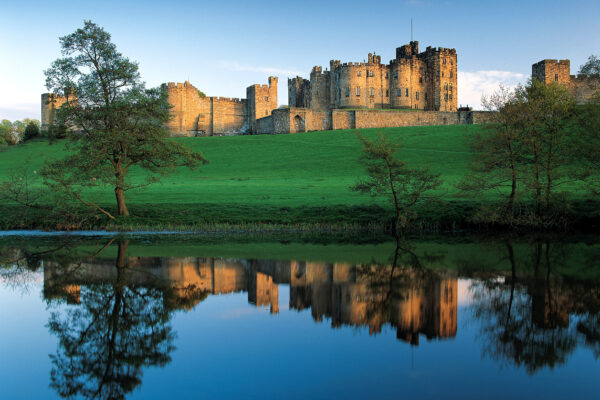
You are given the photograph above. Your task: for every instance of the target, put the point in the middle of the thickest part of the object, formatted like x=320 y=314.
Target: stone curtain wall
x=194 y=115
x=265 y=125
x=583 y=88
x=360 y=119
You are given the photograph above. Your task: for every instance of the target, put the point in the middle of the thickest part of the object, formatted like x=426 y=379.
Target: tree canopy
x=115 y=122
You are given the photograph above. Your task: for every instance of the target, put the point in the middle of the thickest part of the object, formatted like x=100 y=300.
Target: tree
x=587 y=144
x=388 y=176
x=497 y=150
x=106 y=342
x=118 y=123
x=7 y=133
x=591 y=67
x=32 y=129
x=546 y=113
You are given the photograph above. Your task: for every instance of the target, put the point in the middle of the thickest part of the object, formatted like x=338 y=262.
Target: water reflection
x=413 y=300
x=533 y=304
x=532 y=317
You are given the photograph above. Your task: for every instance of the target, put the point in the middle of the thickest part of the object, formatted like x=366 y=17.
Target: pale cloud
x=235 y=66
x=473 y=85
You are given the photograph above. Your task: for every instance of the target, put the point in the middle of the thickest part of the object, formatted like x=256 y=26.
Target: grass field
x=288 y=179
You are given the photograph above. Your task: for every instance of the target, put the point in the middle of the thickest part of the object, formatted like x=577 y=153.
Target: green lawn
x=293 y=178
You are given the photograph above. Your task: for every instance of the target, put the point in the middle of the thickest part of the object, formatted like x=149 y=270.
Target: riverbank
x=294 y=182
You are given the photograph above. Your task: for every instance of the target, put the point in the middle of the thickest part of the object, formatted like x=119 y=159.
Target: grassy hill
x=298 y=178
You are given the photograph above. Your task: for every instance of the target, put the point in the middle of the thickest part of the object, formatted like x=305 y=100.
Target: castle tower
x=298 y=92
x=548 y=71
x=262 y=100
x=50 y=103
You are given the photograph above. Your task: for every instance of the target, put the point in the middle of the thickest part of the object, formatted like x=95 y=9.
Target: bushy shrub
x=32 y=130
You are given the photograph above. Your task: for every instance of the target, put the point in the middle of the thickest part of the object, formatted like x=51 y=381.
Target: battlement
x=228 y=99
x=583 y=78
x=297 y=79
x=179 y=85
x=436 y=50
x=553 y=62
x=373 y=59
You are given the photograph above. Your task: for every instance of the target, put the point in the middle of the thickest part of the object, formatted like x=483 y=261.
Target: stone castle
x=346 y=295
x=582 y=88
x=414 y=89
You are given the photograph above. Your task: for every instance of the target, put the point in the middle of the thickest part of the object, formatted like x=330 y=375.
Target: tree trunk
x=120 y=194
x=513 y=189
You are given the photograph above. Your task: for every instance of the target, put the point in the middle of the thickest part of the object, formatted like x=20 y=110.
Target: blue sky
x=224 y=46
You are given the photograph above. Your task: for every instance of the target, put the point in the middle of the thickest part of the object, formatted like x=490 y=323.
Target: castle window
x=406 y=94
x=442 y=74
x=371 y=92
x=357 y=91
x=451 y=74
x=446 y=97
x=425 y=96
x=450 y=88
x=347 y=91
x=399 y=92
x=359 y=73
x=444 y=61
x=450 y=96
x=417 y=95
x=266 y=98
x=266 y=112
x=555 y=77
x=395 y=74
x=387 y=74
x=370 y=73
x=421 y=79
x=387 y=93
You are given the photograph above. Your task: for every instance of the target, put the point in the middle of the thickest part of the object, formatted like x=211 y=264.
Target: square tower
x=549 y=71
x=262 y=100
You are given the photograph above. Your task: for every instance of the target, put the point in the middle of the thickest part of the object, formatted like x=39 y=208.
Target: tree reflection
x=525 y=315
x=105 y=342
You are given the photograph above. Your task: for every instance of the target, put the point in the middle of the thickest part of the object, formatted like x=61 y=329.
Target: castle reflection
x=412 y=301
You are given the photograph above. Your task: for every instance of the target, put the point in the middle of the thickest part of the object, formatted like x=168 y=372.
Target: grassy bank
x=294 y=180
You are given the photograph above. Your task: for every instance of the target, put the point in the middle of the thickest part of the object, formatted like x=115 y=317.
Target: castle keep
x=413 y=80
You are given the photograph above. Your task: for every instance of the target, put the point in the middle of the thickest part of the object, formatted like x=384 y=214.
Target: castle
x=347 y=295
x=414 y=89
x=581 y=87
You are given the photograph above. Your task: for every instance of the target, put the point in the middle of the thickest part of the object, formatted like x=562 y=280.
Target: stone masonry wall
x=265 y=125
x=195 y=115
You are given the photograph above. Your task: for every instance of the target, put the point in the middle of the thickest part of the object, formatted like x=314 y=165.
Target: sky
x=223 y=46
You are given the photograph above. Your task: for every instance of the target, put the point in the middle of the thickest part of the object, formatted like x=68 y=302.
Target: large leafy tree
x=497 y=150
x=591 y=67
x=116 y=123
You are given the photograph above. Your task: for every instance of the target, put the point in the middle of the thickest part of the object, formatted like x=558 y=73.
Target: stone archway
x=298 y=124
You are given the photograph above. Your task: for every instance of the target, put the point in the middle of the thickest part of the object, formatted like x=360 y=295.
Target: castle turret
x=262 y=100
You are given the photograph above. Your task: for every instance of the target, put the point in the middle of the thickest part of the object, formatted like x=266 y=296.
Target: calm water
x=141 y=318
